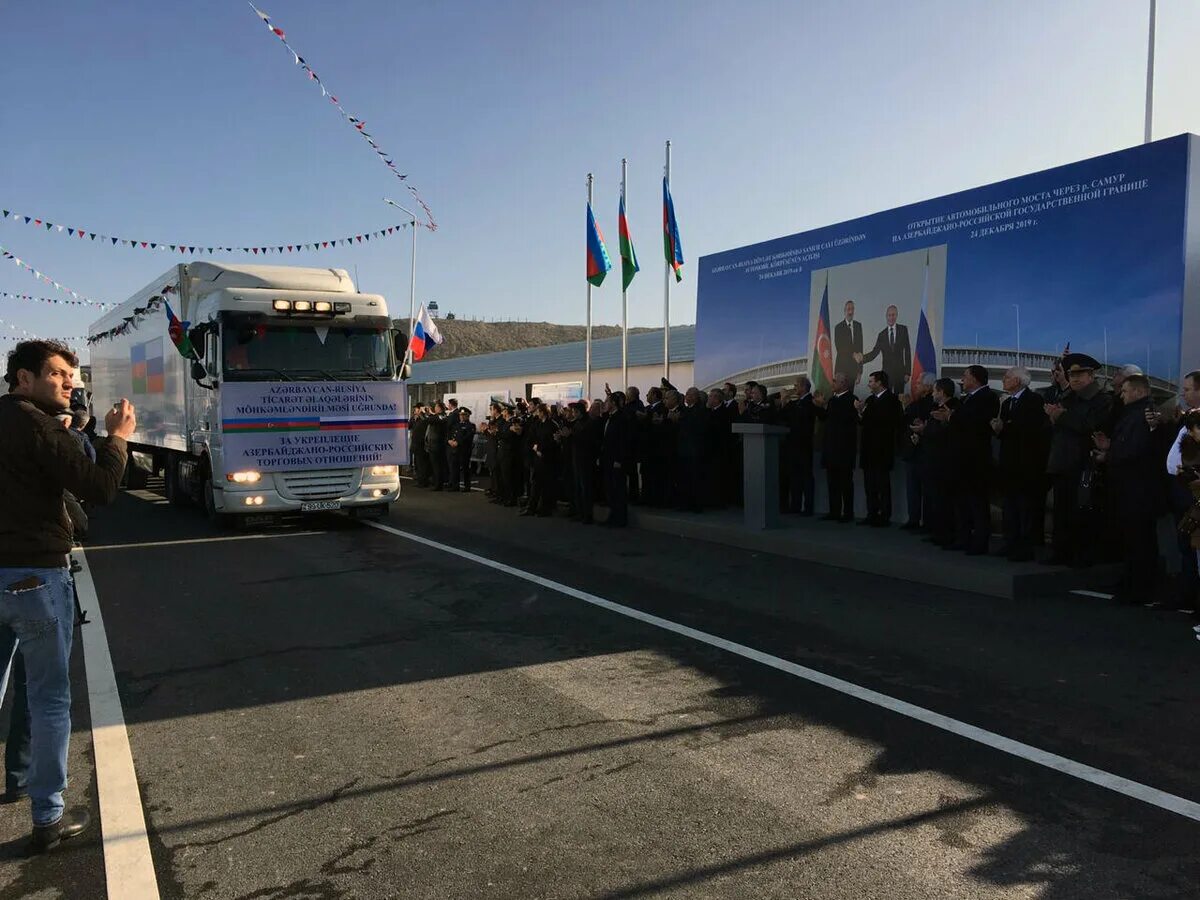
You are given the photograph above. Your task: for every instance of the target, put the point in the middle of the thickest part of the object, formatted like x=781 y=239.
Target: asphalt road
x=352 y=714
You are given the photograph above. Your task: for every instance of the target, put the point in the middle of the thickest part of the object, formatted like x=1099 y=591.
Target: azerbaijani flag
x=598 y=262
x=629 y=263
x=177 y=331
x=671 y=248
x=425 y=334
x=924 y=354
x=822 y=364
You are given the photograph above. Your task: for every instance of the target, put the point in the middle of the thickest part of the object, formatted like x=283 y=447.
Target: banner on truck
x=279 y=426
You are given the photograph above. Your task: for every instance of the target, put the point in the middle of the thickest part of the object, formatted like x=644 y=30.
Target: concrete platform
x=879 y=551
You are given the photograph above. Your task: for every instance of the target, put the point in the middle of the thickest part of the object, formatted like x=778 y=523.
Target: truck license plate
x=320 y=505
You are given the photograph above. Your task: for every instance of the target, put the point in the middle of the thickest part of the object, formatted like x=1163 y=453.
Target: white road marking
x=128 y=867
x=210 y=540
x=1153 y=796
x=1098 y=594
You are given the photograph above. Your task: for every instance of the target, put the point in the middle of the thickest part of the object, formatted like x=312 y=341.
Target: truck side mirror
x=404 y=370
x=196 y=336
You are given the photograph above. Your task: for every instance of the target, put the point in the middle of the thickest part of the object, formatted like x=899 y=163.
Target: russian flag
x=598 y=262
x=425 y=335
x=924 y=354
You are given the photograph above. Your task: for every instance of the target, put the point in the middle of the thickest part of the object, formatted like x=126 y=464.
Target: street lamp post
x=412 y=283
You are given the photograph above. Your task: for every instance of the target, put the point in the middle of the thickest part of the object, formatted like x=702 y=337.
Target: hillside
x=463 y=337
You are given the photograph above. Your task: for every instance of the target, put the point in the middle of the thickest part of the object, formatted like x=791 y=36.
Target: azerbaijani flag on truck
x=177 y=331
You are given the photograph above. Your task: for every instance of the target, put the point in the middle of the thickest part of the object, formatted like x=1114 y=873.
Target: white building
x=517 y=372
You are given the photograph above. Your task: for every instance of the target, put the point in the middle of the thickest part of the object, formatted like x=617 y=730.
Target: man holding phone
x=39 y=461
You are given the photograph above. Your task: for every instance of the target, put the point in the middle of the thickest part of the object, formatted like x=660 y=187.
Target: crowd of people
x=1082 y=471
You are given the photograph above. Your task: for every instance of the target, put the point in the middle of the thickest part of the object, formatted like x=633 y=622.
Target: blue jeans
x=42 y=617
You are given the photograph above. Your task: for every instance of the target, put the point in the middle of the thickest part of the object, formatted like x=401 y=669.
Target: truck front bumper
x=248 y=501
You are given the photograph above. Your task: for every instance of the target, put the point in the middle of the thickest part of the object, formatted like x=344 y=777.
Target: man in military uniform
x=460 y=441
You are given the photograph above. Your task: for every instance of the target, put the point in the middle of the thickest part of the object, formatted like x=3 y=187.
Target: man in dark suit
x=691 y=421
x=417 y=426
x=839 y=443
x=848 y=346
x=800 y=417
x=970 y=436
x=892 y=344
x=880 y=414
x=1133 y=456
x=1024 y=433
x=616 y=455
x=914 y=452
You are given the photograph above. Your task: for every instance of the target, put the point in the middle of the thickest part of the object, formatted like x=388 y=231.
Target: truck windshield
x=293 y=351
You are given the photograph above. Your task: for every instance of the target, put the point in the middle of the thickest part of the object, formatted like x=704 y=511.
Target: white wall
x=644 y=377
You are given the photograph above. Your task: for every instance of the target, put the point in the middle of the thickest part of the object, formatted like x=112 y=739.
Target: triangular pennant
x=71 y=232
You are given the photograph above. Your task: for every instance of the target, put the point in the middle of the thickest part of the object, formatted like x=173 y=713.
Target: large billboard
x=1101 y=255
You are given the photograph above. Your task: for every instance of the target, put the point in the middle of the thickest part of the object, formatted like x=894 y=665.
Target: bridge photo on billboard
x=1101 y=255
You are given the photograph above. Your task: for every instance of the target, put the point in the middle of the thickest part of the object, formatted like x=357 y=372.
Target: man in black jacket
x=691 y=424
x=435 y=445
x=543 y=484
x=1134 y=461
x=585 y=448
x=459 y=443
x=800 y=416
x=970 y=435
x=1024 y=434
x=616 y=454
x=880 y=414
x=913 y=451
x=1080 y=413
x=418 y=425
x=839 y=444
x=39 y=461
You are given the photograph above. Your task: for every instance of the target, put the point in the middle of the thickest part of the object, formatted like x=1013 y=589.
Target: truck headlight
x=244 y=477
x=384 y=471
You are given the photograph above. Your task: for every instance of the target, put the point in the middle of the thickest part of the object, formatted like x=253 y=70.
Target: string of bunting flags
x=357 y=124
x=85 y=234
x=29 y=335
x=40 y=276
x=131 y=322
x=57 y=301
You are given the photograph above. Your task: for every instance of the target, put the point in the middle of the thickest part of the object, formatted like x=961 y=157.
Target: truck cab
x=287 y=401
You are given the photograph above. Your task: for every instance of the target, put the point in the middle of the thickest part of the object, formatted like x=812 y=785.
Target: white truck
x=284 y=397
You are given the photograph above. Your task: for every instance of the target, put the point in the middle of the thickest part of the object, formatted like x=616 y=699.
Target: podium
x=760 y=473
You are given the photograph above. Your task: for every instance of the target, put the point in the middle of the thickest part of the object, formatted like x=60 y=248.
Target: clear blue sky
x=187 y=122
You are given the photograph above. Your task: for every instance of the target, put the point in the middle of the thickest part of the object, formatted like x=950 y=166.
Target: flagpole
x=1150 y=74
x=412 y=280
x=588 y=349
x=624 y=296
x=667 y=290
